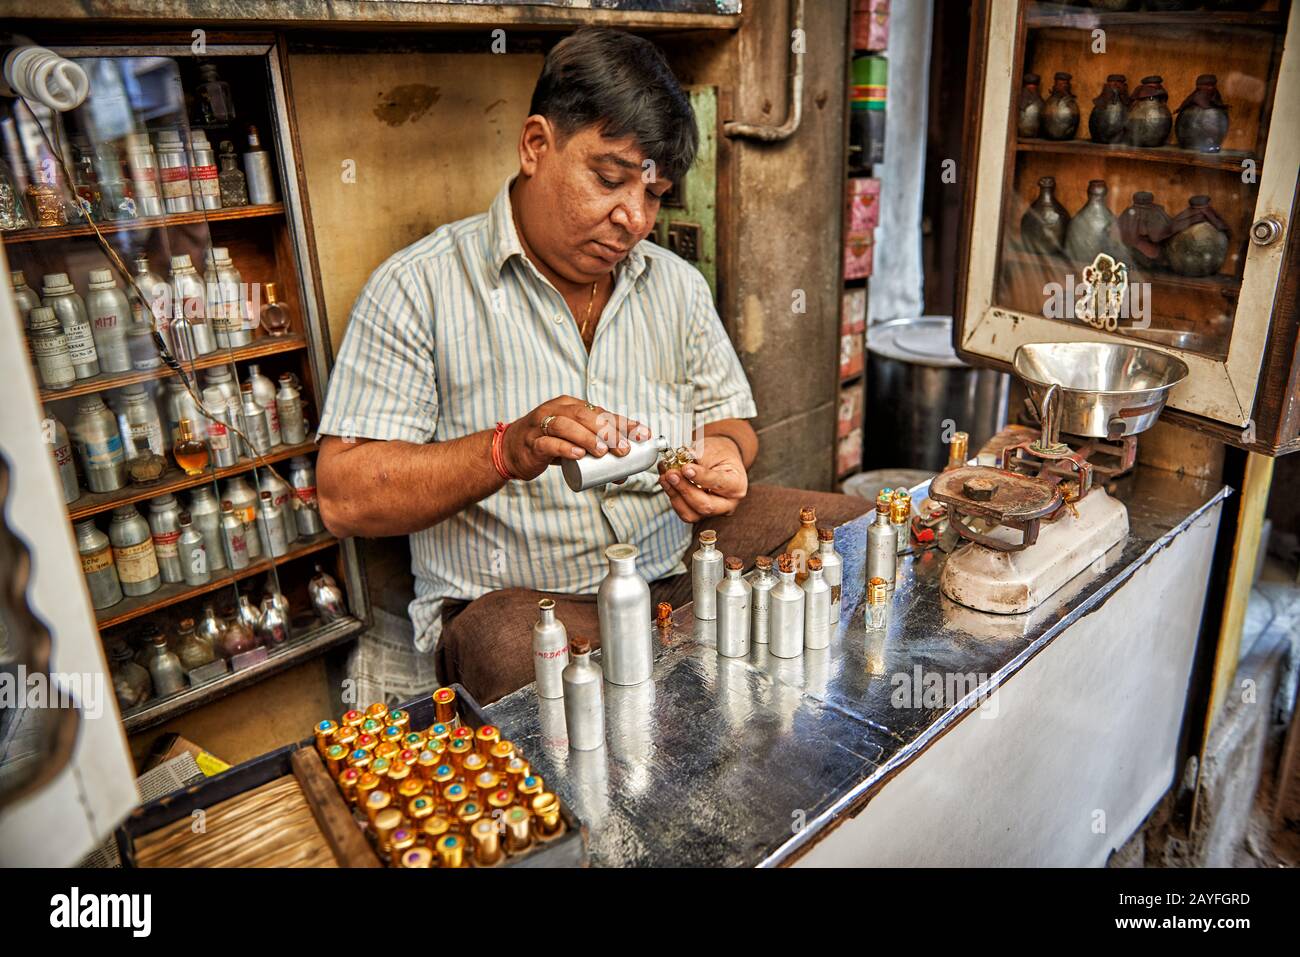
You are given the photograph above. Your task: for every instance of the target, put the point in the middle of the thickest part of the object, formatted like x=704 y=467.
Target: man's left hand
x=713 y=485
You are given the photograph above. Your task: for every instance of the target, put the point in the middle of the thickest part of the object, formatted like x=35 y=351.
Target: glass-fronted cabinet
x=155 y=260
x=1131 y=177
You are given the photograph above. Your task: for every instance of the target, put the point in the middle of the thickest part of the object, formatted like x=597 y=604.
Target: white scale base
x=1012 y=583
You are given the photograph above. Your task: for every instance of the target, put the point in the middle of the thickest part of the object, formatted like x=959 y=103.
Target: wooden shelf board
x=262 y=346
x=39 y=234
x=133 y=607
x=175 y=480
x=308 y=646
x=1086 y=19
x=1226 y=285
x=1227 y=160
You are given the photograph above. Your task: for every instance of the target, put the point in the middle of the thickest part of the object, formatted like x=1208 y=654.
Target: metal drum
x=915 y=383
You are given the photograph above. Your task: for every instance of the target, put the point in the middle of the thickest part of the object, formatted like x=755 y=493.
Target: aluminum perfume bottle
x=234 y=535
x=264 y=394
x=256 y=426
x=61 y=450
x=817 y=607
x=550 y=651
x=109 y=315
x=97 y=565
x=165 y=667
x=760 y=601
x=706 y=572
x=205 y=513
x=623 y=606
x=59 y=295
x=190 y=549
x=271 y=528
x=882 y=547
x=302 y=476
x=900 y=516
x=584 y=705
x=49 y=345
x=785 y=635
x=257 y=170
x=326 y=596
x=99 y=445
x=164 y=526
x=191 y=331
x=133 y=552
x=288 y=405
x=282 y=495
x=832 y=568
x=592 y=471
x=734 y=596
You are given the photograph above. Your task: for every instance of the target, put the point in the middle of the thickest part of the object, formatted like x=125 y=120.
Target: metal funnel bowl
x=1104 y=389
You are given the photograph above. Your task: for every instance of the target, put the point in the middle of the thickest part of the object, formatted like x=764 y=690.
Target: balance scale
x=1041 y=517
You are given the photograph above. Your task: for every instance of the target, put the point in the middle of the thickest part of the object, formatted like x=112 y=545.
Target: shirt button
x=557 y=317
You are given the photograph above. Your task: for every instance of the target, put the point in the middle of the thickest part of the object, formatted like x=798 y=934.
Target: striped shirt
x=460 y=330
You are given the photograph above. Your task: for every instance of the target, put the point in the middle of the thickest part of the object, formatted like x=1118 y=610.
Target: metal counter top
x=744 y=761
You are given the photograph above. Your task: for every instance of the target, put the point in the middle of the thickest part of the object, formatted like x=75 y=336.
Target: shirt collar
x=503 y=240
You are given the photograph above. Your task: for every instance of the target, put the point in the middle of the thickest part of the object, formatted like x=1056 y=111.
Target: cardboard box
x=858 y=255
x=852 y=398
x=848 y=453
x=863 y=214
x=870 y=24
x=851 y=354
x=853 y=311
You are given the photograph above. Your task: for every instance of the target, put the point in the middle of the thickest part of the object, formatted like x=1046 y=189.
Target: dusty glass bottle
x=1109 y=111
x=1042 y=228
x=1029 y=108
x=1092 y=230
x=191 y=648
x=165 y=667
x=131 y=682
x=230 y=179
x=1061 y=111
x=804 y=543
x=1149 y=119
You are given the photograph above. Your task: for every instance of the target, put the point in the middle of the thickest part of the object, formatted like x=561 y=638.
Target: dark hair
x=621 y=84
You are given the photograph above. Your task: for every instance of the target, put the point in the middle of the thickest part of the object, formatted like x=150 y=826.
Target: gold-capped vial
x=377 y=801
x=486 y=736
x=409 y=788
x=456 y=752
x=385 y=823
x=451 y=851
x=468 y=813
x=462 y=731
x=360 y=758
x=518 y=824
x=500 y=754
x=439 y=732
x=399 y=842
x=486 y=835
x=516 y=770
x=392 y=734
x=444 y=706
x=399 y=718
x=377 y=711
x=366 y=742
x=417 y=857
x=335 y=757
x=399 y=773
x=352 y=719
x=487 y=781
x=958 y=450
x=347 y=736
x=443 y=775
x=386 y=749
x=435 y=828
x=419 y=808
x=877 y=591
x=407 y=757
x=426 y=763
x=501 y=798
x=455 y=794
x=414 y=740
x=381 y=767
x=348 y=778
x=372 y=727
x=530 y=787
x=366 y=784
x=472 y=764
x=546 y=808
x=324 y=735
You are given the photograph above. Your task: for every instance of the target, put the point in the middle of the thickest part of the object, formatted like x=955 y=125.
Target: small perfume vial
x=877 y=602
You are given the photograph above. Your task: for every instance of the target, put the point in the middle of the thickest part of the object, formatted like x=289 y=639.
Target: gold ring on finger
x=591 y=408
x=546 y=424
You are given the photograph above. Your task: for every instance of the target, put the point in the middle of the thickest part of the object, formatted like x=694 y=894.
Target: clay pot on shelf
x=1109 y=111
x=1149 y=119
x=1042 y=228
x=1092 y=229
x=1198 y=240
x=1029 y=108
x=1203 y=118
x=1061 y=111
x=1142 y=228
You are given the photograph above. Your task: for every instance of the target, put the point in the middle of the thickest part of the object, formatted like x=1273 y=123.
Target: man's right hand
x=565 y=428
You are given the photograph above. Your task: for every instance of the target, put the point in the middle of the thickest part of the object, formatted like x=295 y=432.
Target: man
x=547 y=328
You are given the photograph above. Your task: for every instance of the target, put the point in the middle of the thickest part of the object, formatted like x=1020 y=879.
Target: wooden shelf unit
x=41 y=234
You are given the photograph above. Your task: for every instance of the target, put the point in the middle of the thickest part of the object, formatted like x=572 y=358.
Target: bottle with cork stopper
x=804 y=544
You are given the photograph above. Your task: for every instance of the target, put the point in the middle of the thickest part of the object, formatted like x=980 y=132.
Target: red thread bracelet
x=498 y=459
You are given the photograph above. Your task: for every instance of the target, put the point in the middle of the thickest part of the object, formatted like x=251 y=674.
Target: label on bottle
x=52 y=359
x=143 y=178
x=146 y=435
x=108 y=321
x=136 y=563
x=164 y=544
x=81 y=343
x=246 y=514
x=203 y=181
x=97 y=561
x=218 y=436
x=63 y=456
x=306 y=494
x=102 y=452
x=175 y=182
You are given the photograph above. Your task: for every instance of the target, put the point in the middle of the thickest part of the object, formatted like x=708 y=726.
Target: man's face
x=599 y=198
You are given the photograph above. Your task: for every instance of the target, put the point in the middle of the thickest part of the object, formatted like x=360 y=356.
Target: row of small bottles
x=1140 y=119
x=106 y=441
x=1193 y=243
x=138 y=556
x=111 y=331
x=144 y=177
